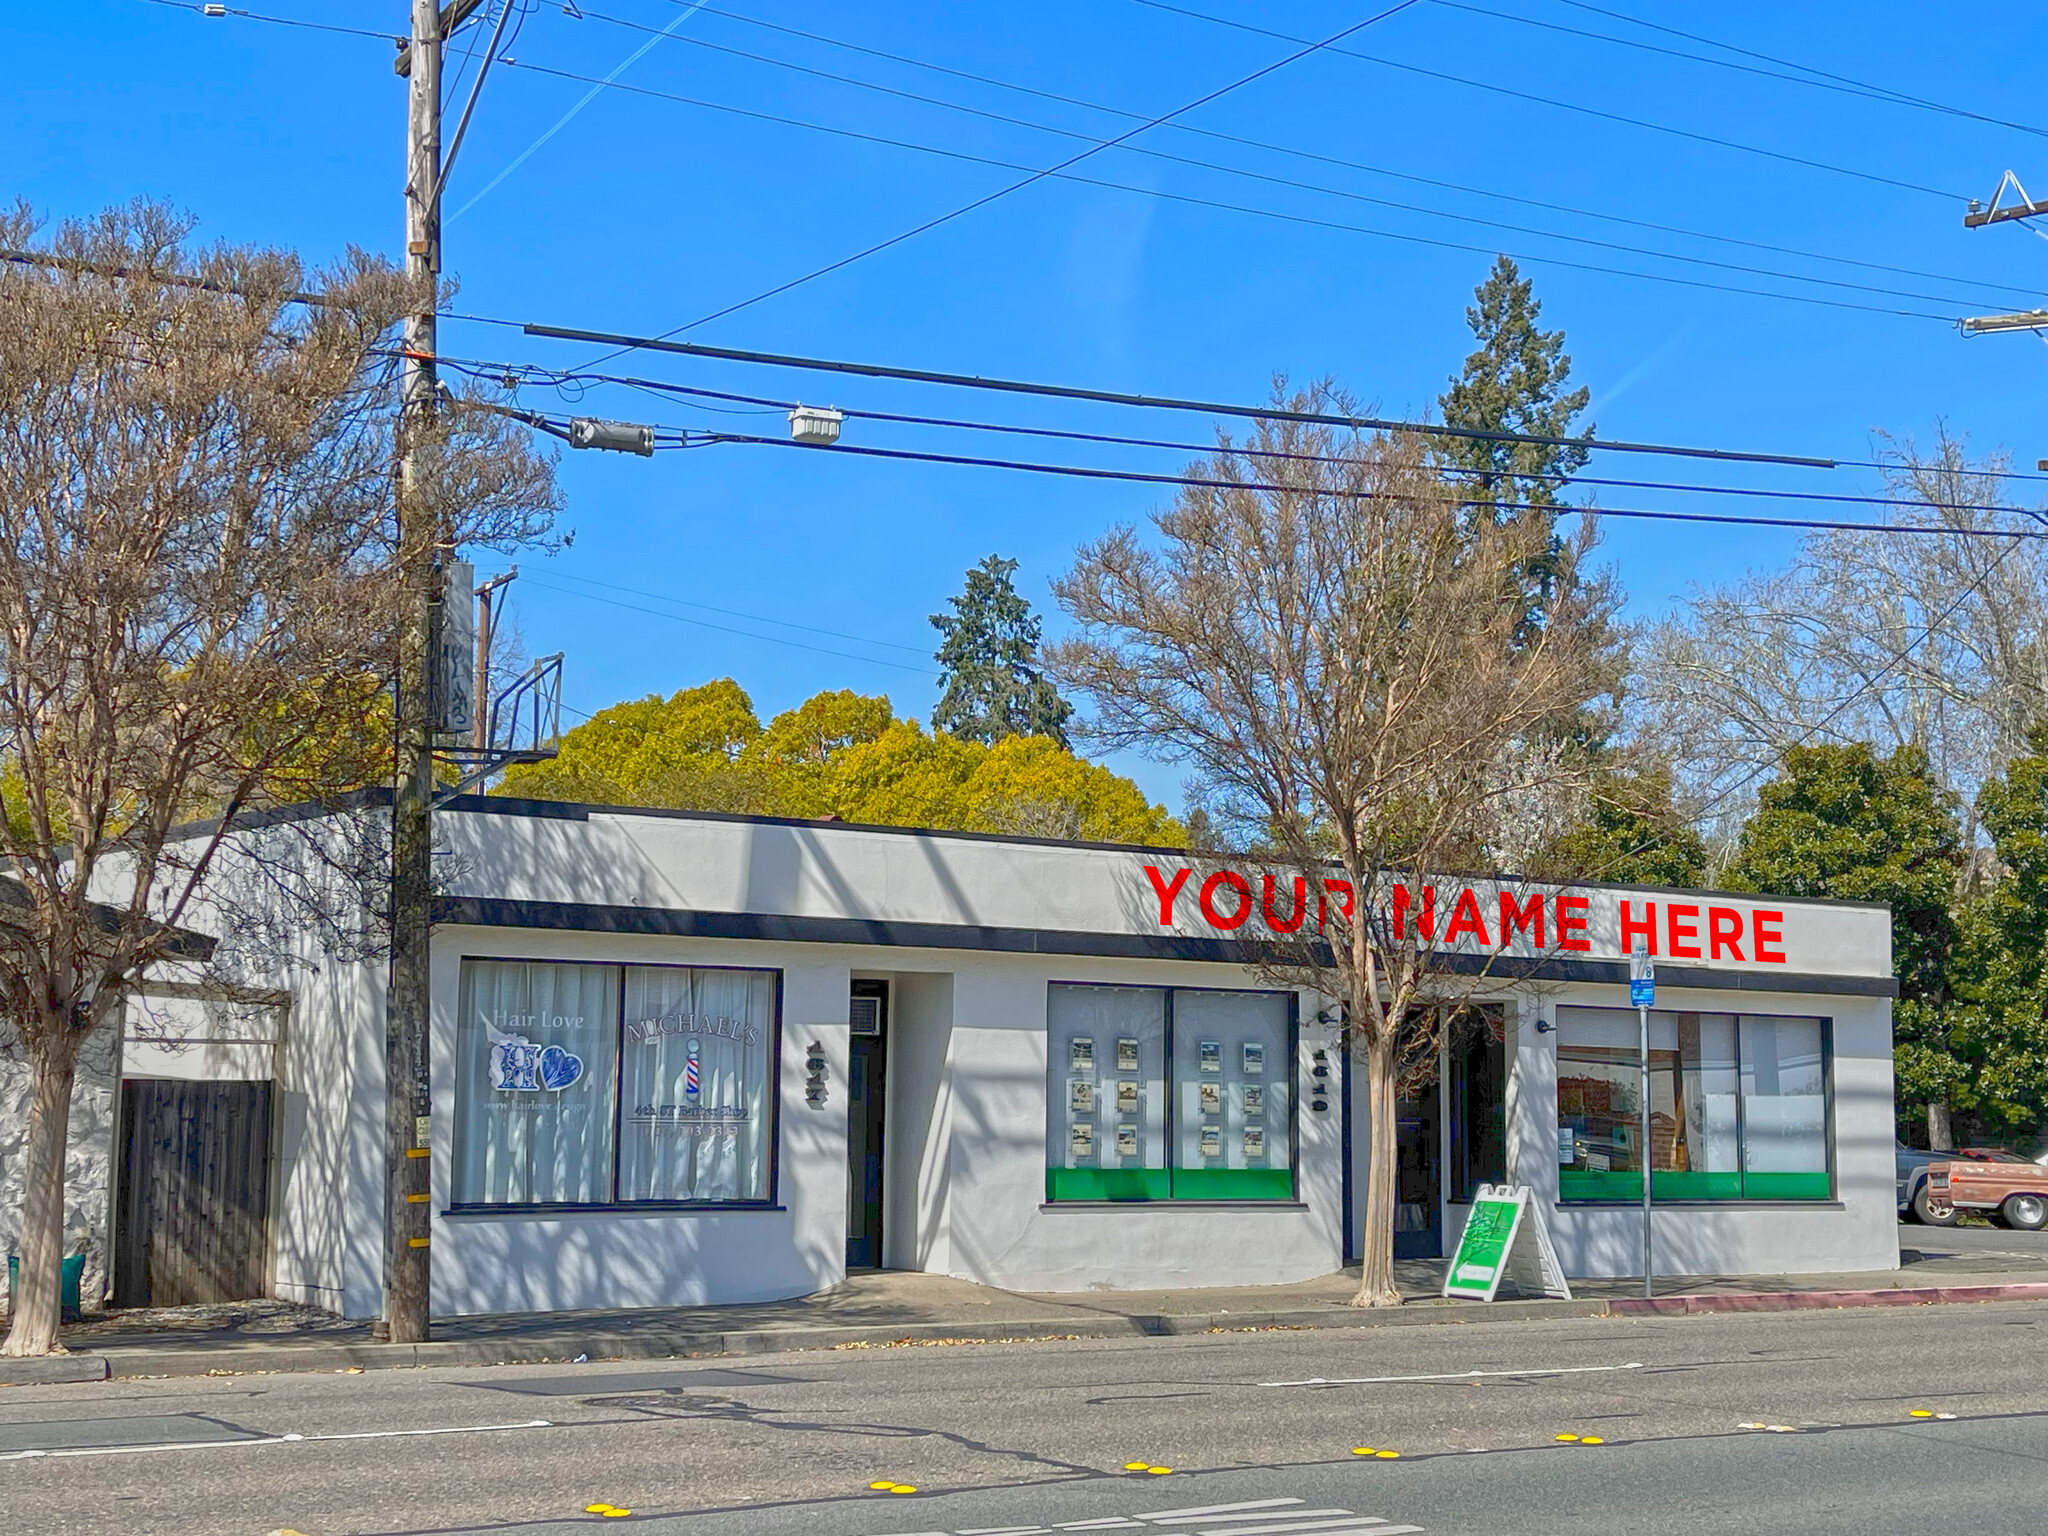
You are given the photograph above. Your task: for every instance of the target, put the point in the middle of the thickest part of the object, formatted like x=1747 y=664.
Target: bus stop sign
x=1642 y=977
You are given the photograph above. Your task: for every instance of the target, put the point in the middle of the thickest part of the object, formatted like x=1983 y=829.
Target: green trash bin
x=74 y=1278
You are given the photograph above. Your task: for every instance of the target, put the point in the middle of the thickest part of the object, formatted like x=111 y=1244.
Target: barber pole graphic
x=690 y=1078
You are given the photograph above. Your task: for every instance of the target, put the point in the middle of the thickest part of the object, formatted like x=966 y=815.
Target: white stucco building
x=684 y=1058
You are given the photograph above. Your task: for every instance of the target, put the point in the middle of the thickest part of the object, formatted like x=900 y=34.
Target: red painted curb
x=1795 y=1301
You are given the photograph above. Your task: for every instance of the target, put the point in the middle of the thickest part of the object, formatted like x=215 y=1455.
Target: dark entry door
x=866 y=1096
x=193 y=1220
x=1418 y=1220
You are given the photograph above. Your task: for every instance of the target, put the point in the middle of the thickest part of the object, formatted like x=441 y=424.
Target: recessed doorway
x=866 y=1095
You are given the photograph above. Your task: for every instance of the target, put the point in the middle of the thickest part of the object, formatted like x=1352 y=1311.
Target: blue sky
x=642 y=214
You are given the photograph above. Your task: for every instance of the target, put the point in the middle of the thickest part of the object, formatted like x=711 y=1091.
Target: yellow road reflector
x=1159 y=1471
x=1568 y=1437
x=615 y=1513
x=883 y=1486
x=1363 y=1450
x=596 y=1509
x=1387 y=1455
x=1591 y=1440
x=903 y=1488
x=1137 y=1466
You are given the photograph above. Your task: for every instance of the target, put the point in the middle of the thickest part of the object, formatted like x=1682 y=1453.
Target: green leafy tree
x=841 y=755
x=1516 y=381
x=1993 y=1070
x=1630 y=834
x=1843 y=823
x=992 y=687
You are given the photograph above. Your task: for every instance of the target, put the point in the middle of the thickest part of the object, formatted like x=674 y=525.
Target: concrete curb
x=1800 y=1301
x=38 y=1370
x=643 y=1344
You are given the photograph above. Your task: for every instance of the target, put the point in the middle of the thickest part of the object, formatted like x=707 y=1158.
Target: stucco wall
x=88 y=1160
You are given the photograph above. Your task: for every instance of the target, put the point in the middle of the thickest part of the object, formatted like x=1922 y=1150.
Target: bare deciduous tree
x=1938 y=639
x=198 y=599
x=1340 y=655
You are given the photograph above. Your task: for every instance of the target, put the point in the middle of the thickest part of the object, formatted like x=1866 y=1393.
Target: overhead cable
x=550 y=378
x=623 y=343
x=1265 y=213
x=1296 y=152
x=1568 y=106
x=1261 y=176
x=1037 y=176
x=1836 y=83
x=1901 y=97
x=217 y=11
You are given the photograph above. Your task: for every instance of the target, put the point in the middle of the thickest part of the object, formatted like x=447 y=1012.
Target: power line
x=734 y=613
x=592 y=597
x=1837 y=83
x=1264 y=213
x=215 y=12
x=1751 y=53
x=1199 y=482
x=549 y=378
x=1040 y=175
x=1568 y=106
x=1156 y=402
x=1239 y=171
x=1334 y=160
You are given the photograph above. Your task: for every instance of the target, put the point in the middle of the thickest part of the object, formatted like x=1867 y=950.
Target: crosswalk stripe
x=1211 y=1511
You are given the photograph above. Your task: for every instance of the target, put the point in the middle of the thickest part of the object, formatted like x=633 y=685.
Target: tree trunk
x=53 y=1063
x=1941 y=1136
x=1376 y=1286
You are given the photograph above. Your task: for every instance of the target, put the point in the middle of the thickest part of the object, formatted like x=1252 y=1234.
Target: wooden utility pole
x=408 y=1095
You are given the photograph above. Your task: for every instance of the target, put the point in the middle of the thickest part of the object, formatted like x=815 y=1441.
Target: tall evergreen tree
x=989 y=661
x=1516 y=381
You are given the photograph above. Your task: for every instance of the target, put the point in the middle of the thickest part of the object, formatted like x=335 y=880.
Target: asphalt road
x=1260 y=1431
x=1975 y=1240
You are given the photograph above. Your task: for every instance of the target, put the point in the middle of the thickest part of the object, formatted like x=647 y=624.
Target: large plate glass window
x=536 y=1052
x=1738 y=1107
x=695 y=1084
x=1105 y=1123
x=1232 y=1071
x=1123 y=1124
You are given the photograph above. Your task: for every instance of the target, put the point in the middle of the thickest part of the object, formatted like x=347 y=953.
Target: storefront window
x=1716 y=1132
x=536 y=1047
x=695 y=1084
x=1113 y=1129
x=564 y=1098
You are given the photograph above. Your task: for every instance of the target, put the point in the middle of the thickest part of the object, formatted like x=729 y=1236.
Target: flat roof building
x=683 y=1058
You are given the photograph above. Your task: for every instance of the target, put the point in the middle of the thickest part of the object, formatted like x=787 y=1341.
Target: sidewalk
x=883 y=1309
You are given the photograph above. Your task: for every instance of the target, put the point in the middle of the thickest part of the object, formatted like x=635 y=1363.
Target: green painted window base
x=1162 y=1184
x=1693 y=1186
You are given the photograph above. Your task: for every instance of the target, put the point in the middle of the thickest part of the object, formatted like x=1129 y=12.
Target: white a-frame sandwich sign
x=1505 y=1241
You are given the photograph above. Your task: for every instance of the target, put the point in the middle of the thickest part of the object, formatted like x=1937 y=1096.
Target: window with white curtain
x=695 y=1080
x=583 y=1084
x=536 y=1050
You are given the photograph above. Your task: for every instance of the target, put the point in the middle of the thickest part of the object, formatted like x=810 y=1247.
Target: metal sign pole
x=1642 y=991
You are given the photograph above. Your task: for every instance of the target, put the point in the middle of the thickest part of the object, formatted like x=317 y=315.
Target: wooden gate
x=195 y=1185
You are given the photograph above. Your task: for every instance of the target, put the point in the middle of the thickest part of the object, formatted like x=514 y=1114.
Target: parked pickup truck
x=2014 y=1192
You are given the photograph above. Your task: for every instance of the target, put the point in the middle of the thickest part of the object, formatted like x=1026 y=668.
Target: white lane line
x=217 y=1445
x=1353 y=1523
x=1373 y=1381
x=1108 y=1523
x=1210 y=1511
x=1292 y=1514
